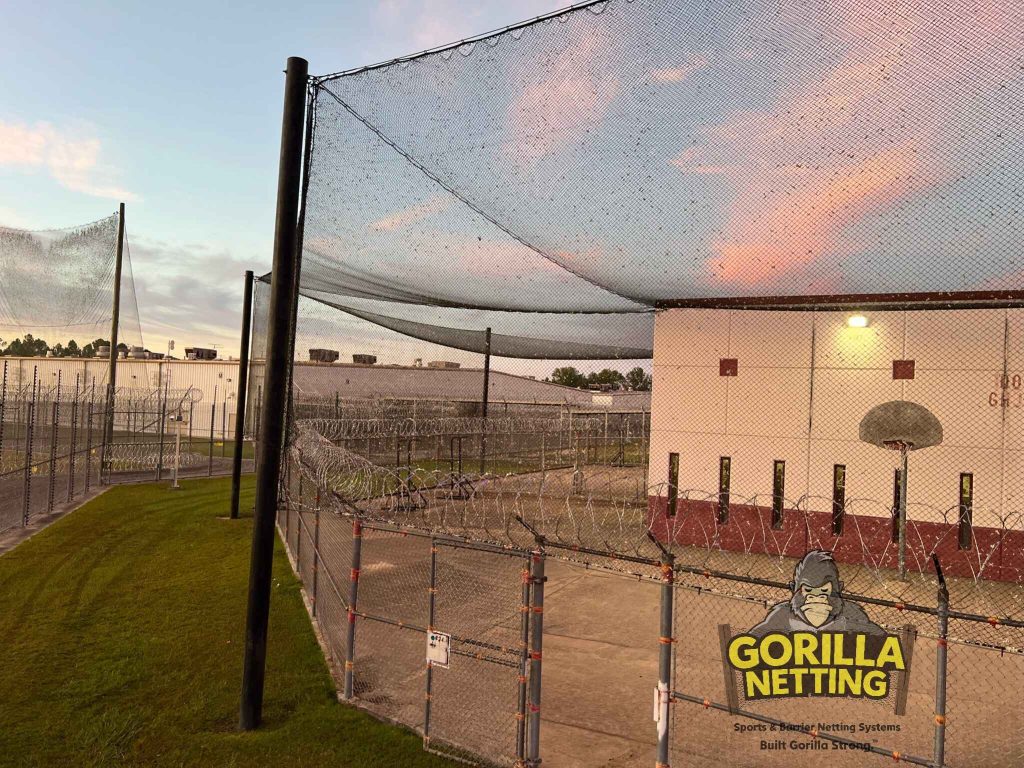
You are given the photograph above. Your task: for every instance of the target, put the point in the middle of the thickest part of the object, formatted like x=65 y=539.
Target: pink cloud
x=549 y=114
x=73 y=161
x=851 y=142
x=680 y=73
x=412 y=214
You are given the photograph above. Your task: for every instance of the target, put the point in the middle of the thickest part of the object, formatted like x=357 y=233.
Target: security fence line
x=370 y=626
x=396 y=556
x=54 y=448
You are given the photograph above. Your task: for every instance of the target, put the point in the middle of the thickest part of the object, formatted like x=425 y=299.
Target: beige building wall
x=805 y=380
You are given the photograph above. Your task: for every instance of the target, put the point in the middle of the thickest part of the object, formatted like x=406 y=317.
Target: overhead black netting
x=628 y=154
x=57 y=287
x=630 y=200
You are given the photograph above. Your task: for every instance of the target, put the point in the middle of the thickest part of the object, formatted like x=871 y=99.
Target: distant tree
x=568 y=377
x=89 y=350
x=58 y=350
x=72 y=350
x=605 y=377
x=639 y=380
x=27 y=347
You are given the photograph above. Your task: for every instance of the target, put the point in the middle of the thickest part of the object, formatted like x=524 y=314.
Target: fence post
x=431 y=609
x=353 y=596
x=665 y=639
x=74 y=440
x=316 y=548
x=941 y=651
x=163 y=423
x=537 y=579
x=29 y=435
x=88 y=445
x=3 y=404
x=213 y=418
x=54 y=415
x=524 y=664
x=298 y=529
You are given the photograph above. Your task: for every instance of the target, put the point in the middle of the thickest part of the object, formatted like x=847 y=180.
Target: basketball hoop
x=901 y=426
x=897 y=445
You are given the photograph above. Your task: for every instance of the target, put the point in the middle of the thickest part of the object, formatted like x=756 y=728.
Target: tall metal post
x=30 y=422
x=524 y=664
x=353 y=601
x=486 y=398
x=275 y=383
x=243 y=382
x=108 y=429
x=664 y=692
x=537 y=579
x=431 y=613
x=902 y=512
x=939 y=753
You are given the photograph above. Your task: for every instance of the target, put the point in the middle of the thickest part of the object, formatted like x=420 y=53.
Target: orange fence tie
x=666 y=640
x=351 y=617
x=354 y=575
x=538 y=609
x=813 y=732
x=350 y=665
x=942 y=642
x=896 y=756
x=940 y=719
x=432 y=590
x=433 y=550
x=535 y=655
x=900 y=607
x=993 y=620
x=535 y=708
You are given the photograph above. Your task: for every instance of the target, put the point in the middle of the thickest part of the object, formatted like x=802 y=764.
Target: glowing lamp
x=857 y=321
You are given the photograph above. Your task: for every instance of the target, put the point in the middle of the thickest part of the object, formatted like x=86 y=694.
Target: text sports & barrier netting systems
x=703 y=318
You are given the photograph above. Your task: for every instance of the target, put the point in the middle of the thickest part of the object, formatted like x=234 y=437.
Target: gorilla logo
x=817 y=603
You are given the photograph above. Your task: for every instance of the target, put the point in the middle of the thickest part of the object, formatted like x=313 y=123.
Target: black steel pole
x=108 y=429
x=487 y=370
x=275 y=386
x=483 y=410
x=243 y=381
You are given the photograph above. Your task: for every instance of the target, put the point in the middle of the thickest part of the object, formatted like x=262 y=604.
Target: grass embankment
x=121 y=637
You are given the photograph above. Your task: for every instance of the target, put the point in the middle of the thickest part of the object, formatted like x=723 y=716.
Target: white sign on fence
x=439 y=646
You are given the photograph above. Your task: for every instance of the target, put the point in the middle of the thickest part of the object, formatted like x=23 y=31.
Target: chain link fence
x=60 y=440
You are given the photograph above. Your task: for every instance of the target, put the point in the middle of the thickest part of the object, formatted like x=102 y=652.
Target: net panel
x=626 y=154
x=56 y=290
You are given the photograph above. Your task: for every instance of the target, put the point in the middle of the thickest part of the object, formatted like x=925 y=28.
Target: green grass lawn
x=121 y=637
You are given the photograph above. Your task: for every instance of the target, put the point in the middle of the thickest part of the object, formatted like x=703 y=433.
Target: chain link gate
x=480 y=654
x=443 y=636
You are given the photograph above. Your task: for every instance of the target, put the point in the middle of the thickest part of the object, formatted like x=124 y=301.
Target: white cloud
x=71 y=156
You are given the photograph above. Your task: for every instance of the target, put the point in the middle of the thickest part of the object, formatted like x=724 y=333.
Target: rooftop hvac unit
x=323 y=355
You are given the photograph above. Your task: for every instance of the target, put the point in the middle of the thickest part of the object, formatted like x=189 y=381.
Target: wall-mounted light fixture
x=857 y=321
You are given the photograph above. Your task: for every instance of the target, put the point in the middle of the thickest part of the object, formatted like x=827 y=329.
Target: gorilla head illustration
x=817 y=590
x=817 y=603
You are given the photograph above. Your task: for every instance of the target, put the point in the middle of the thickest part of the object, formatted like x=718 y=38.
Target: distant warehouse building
x=763 y=409
x=364 y=359
x=448 y=364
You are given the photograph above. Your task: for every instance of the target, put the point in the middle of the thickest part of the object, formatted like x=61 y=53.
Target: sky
x=661 y=149
x=176 y=111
